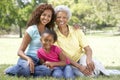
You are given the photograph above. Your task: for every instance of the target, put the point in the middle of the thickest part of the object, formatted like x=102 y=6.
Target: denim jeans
x=22 y=69
x=66 y=72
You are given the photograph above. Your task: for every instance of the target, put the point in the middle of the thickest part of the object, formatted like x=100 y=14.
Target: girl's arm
x=62 y=61
x=42 y=61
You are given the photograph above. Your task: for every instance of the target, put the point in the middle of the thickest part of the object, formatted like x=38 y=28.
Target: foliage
x=80 y=12
x=16 y=12
x=93 y=14
x=90 y=13
x=7 y=13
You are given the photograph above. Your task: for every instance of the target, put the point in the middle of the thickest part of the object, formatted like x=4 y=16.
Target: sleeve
x=82 y=38
x=58 y=50
x=30 y=31
x=56 y=43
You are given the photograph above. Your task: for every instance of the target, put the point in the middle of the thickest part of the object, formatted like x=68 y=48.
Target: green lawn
x=105 y=49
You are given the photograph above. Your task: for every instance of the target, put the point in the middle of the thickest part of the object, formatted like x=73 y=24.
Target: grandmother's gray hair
x=63 y=8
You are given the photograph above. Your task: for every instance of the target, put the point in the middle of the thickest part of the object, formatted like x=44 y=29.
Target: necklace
x=64 y=31
x=40 y=29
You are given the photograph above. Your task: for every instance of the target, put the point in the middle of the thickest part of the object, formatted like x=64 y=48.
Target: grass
x=105 y=49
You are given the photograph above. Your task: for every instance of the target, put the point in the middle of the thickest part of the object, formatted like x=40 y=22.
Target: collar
x=60 y=34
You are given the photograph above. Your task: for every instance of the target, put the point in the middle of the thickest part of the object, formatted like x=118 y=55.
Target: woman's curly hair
x=35 y=17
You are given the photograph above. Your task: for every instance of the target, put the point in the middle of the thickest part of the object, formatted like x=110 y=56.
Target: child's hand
x=49 y=64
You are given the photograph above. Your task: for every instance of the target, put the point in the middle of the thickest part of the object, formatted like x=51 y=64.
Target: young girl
x=52 y=56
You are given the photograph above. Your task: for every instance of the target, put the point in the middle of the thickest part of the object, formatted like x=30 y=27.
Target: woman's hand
x=84 y=70
x=89 y=62
x=31 y=64
x=90 y=65
x=76 y=26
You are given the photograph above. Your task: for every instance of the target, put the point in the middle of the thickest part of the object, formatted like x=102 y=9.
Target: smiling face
x=45 y=17
x=47 y=40
x=61 y=18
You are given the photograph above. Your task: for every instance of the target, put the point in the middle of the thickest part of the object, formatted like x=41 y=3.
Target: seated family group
x=59 y=51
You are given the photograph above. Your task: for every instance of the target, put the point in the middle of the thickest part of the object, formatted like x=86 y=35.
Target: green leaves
x=100 y=13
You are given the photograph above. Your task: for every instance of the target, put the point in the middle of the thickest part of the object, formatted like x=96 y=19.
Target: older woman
x=75 y=45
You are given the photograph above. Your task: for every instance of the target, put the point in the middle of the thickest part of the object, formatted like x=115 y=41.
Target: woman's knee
x=82 y=60
x=12 y=70
x=18 y=71
x=24 y=71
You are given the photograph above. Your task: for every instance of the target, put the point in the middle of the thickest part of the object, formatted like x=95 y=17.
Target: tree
x=25 y=8
x=7 y=14
x=90 y=13
x=16 y=12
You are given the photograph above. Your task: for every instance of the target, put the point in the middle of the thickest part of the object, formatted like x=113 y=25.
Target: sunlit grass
x=105 y=49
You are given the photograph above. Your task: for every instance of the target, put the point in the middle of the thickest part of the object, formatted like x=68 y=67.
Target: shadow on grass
x=113 y=67
x=10 y=36
x=101 y=77
x=116 y=34
x=5 y=77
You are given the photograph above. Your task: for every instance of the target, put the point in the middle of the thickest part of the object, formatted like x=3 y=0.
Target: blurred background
x=94 y=16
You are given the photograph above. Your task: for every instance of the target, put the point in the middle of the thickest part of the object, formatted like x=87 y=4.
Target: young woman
x=41 y=19
x=52 y=56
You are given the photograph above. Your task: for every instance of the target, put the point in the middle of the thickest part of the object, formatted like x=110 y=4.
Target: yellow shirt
x=73 y=44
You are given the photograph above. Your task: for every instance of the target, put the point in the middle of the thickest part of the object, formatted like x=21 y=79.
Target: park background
x=99 y=20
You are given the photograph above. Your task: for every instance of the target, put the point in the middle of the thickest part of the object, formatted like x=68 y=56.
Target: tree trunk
x=76 y=1
x=20 y=32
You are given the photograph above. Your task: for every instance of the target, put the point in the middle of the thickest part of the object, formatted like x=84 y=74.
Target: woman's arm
x=89 y=62
x=83 y=69
x=26 y=40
